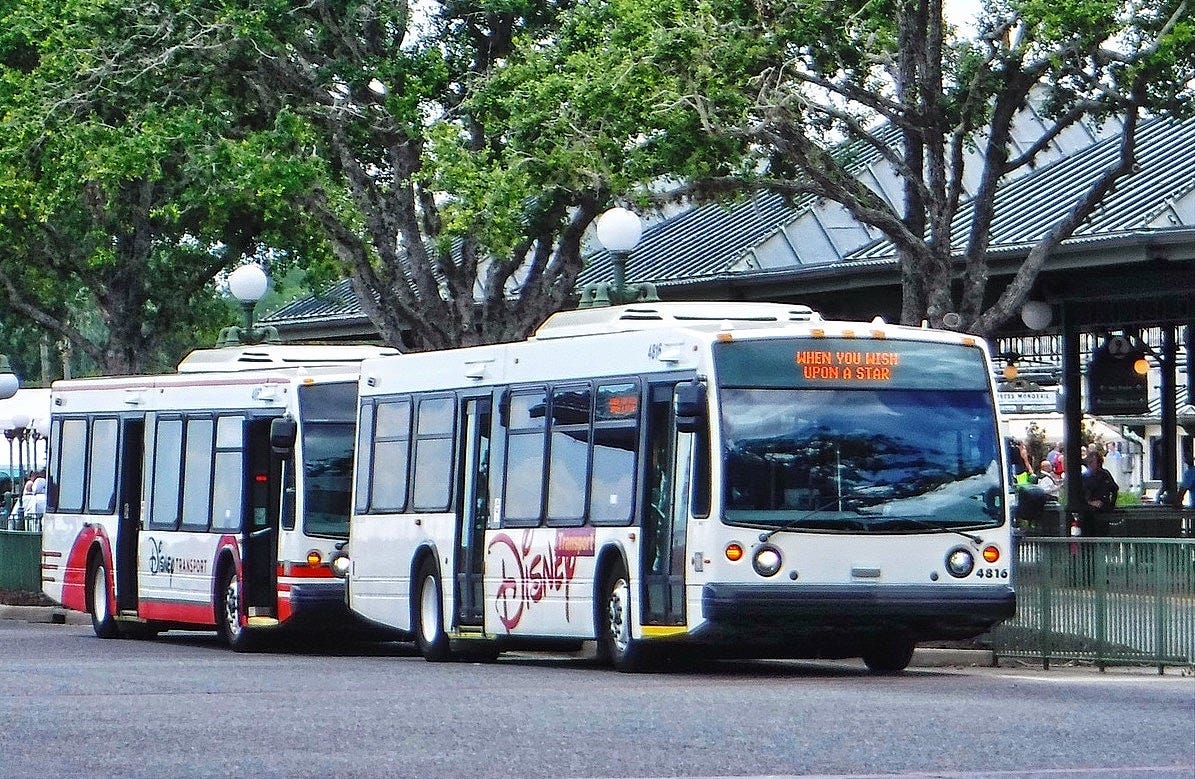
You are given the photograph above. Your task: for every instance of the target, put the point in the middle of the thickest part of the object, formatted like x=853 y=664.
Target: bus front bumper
x=922 y=612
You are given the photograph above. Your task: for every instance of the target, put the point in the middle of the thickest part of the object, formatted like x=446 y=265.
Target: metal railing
x=1109 y=601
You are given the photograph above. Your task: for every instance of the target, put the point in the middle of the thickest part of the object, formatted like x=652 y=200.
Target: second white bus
x=727 y=479
x=214 y=497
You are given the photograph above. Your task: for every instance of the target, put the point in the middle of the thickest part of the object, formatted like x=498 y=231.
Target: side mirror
x=689 y=405
x=283 y=432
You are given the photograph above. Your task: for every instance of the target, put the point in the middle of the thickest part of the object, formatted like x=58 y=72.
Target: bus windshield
x=329 y=433
x=828 y=454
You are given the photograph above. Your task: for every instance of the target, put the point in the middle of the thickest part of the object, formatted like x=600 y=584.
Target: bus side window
x=364 y=459
x=387 y=481
x=166 y=473
x=700 y=476
x=615 y=453
x=525 y=444
x=228 y=484
x=71 y=461
x=431 y=482
x=197 y=474
x=568 y=459
x=101 y=470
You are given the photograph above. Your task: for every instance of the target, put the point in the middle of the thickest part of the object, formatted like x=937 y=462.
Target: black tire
x=427 y=613
x=103 y=621
x=615 y=645
x=889 y=656
x=229 y=625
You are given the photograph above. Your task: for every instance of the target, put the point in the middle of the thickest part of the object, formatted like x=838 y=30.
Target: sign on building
x=1114 y=386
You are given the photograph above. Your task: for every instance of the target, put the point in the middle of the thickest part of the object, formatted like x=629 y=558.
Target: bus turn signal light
x=991 y=554
x=314 y=558
x=734 y=552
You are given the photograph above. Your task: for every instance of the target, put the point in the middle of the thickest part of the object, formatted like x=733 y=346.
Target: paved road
x=181 y=706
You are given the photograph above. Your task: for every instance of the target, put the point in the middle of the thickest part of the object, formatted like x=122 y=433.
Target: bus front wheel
x=228 y=613
x=889 y=655
x=429 y=614
x=615 y=645
x=102 y=620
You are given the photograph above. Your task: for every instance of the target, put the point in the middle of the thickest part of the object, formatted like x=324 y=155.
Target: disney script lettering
x=529 y=575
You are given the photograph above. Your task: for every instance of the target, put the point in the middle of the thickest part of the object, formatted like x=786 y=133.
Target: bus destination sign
x=847 y=365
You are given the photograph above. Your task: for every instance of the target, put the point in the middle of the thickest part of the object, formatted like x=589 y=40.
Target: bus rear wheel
x=228 y=613
x=889 y=655
x=615 y=645
x=430 y=636
x=102 y=620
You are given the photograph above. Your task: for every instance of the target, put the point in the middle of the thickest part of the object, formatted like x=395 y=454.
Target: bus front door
x=132 y=451
x=473 y=511
x=664 y=512
x=259 y=537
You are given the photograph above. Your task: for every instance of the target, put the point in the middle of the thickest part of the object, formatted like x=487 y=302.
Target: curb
x=927 y=657
x=53 y=615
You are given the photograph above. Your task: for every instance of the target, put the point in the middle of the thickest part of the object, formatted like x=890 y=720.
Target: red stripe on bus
x=305 y=571
x=284 y=609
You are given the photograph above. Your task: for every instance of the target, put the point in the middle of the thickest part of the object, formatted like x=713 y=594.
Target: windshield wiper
x=925 y=523
x=790 y=524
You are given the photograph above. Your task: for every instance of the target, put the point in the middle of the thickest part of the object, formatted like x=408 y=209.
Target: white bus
x=728 y=479
x=211 y=497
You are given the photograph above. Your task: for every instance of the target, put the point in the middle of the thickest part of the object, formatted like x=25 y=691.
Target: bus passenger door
x=473 y=507
x=664 y=510
x=259 y=538
x=128 y=503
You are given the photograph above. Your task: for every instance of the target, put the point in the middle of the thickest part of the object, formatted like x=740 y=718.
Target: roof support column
x=1072 y=410
x=1169 y=392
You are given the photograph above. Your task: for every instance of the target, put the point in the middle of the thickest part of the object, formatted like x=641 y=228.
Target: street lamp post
x=619 y=231
x=248 y=284
x=17 y=431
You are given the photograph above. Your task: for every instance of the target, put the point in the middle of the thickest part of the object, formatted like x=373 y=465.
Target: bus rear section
x=717 y=480
x=205 y=500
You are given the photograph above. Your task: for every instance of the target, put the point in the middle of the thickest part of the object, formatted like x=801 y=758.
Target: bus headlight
x=960 y=562
x=766 y=561
x=340 y=565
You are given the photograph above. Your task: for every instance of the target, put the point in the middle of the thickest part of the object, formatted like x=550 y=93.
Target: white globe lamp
x=248 y=283
x=619 y=230
x=1036 y=314
x=9 y=383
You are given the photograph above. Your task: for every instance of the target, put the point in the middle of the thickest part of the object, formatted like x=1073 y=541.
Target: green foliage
x=130 y=175
x=451 y=160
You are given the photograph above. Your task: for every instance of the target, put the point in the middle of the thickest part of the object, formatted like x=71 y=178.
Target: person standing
x=1099 y=494
x=1187 y=484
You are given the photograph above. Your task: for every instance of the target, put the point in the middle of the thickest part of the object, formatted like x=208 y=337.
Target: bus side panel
x=382 y=545
x=65 y=550
x=541 y=581
x=175 y=581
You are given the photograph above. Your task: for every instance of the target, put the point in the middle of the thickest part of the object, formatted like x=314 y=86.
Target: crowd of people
x=1040 y=486
x=29 y=503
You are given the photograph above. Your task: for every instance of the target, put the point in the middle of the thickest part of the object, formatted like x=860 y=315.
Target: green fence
x=1107 y=601
x=20 y=560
